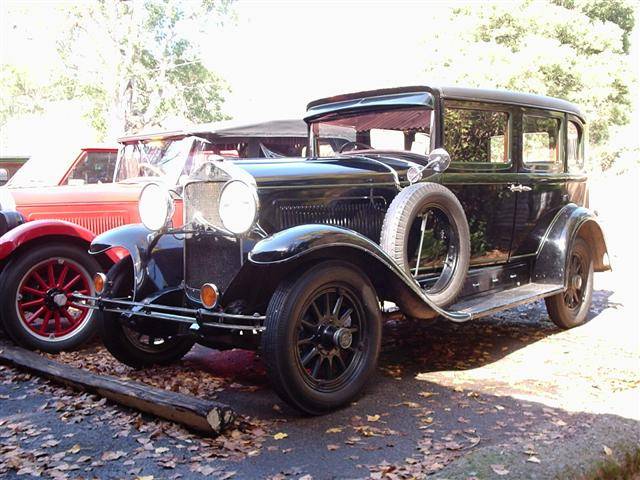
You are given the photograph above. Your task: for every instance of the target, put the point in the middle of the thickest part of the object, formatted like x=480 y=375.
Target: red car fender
x=37 y=229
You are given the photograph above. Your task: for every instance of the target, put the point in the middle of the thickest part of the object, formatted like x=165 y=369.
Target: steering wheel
x=152 y=169
x=354 y=146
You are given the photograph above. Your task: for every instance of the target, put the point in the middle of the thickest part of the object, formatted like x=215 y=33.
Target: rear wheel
x=322 y=337
x=158 y=343
x=570 y=308
x=35 y=305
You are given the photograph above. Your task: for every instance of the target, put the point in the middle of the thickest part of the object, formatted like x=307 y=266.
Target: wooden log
x=205 y=416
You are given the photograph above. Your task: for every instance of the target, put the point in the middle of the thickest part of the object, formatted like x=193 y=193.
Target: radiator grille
x=201 y=201
x=210 y=259
x=96 y=224
x=364 y=215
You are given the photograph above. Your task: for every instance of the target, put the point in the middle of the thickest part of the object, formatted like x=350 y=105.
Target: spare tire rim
x=433 y=246
x=42 y=301
x=331 y=338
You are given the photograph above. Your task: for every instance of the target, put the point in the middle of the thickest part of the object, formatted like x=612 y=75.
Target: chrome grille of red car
x=97 y=224
x=363 y=215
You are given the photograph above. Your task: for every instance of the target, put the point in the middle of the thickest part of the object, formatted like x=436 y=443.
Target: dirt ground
x=509 y=396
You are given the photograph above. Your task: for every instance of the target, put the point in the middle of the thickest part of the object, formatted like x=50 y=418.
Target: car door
x=479 y=138
x=542 y=186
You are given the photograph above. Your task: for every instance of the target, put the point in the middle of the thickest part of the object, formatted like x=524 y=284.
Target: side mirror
x=439 y=161
x=4 y=176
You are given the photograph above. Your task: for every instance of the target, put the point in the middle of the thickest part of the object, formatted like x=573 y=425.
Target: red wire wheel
x=42 y=303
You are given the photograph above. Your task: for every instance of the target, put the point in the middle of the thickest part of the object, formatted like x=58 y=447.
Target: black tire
x=399 y=227
x=47 y=326
x=290 y=316
x=570 y=308
x=120 y=339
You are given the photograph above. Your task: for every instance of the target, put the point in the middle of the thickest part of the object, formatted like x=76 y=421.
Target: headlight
x=155 y=206
x=7 y=201
x=238 y=206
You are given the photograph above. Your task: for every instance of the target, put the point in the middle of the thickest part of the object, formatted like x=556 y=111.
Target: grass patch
x=625 y=468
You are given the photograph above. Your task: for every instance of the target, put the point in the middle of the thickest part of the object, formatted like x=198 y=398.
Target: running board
x=488 y=303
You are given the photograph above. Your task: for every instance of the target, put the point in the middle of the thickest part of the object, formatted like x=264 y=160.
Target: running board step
x=488 y=302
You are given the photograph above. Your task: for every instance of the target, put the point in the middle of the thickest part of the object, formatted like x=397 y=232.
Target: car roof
x=232 y=128
x=407 y=96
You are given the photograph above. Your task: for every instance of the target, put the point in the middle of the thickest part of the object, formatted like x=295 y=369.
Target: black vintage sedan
x=441 y=201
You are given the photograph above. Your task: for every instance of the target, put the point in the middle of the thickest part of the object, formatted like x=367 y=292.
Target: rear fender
x=299 y=245
x=41 y=229
x=552 y=259
x=157 y=258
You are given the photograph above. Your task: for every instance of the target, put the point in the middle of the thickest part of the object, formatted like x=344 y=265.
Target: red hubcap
x=43 y=298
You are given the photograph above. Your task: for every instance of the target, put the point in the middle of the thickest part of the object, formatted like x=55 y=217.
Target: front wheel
x=35 y=304
x=571 y=307
x=322 y=337
x=139 y=344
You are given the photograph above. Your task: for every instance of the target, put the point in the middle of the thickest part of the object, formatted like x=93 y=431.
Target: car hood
x=349 y=170
x=82 y=194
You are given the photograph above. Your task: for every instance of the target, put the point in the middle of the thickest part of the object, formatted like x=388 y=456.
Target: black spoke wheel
x=570 y=308
x=322 y=337
x=139 y=348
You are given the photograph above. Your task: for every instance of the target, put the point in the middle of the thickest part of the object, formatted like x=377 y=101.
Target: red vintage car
x=47 y=223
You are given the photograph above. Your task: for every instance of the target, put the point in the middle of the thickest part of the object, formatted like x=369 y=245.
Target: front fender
x=325 y=241
x=37 y=229
x=157 y=258
x=552 y=258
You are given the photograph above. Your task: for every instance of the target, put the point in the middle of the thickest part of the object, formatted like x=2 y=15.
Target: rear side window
x=477 y=138
x=541 y=143
x=575 y=148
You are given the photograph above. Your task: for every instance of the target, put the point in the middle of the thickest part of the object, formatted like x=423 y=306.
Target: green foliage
x=18 y=93
x=572 y=49
x=135 y=65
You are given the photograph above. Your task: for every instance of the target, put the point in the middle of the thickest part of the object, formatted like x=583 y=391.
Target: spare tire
x=434 y=210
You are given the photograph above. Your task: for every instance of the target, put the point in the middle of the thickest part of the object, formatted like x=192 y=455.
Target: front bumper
x=196 y=317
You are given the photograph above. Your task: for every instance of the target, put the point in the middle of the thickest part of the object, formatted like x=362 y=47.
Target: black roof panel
x=461 y=93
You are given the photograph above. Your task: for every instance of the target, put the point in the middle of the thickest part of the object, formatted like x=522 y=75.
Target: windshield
x=43 y=170
x=403 y=130
x=166 y=159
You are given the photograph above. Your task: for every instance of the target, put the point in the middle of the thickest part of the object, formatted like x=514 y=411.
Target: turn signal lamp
x=209 y=295
x=99 y=282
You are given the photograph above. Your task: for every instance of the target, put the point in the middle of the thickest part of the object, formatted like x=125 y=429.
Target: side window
x=98 y=167
x=541 y=143
x=575 y=148
x=476 y=137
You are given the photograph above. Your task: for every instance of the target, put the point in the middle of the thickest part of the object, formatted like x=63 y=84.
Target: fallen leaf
x=161 y=450
x=74 y=449
x=499 y=469
x=607 y=450
x=499 y=407
x=146 y=477
x=533 y=459
x=373 y=418
x=280 y=436
x=333 y=430
x=427 y=394
x=108 y=456
x=331 y=447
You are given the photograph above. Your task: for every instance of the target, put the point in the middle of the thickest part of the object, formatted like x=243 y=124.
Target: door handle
x=519 y=188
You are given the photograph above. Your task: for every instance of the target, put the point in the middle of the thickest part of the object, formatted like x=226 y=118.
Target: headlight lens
x=238 y=207
x=155 y=206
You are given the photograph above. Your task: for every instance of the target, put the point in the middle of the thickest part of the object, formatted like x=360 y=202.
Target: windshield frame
x=314 y=147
